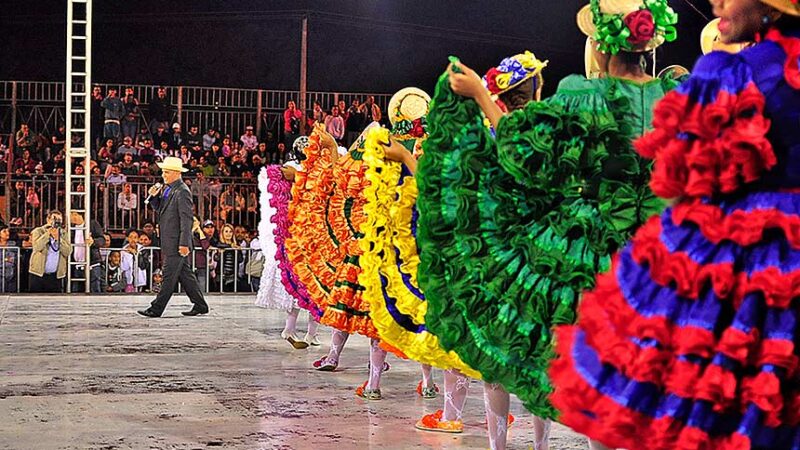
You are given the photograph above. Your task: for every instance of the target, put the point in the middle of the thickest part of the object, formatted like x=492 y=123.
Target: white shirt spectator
x=127 y=202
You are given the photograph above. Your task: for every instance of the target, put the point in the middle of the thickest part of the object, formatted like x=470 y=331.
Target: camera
x=57 y=224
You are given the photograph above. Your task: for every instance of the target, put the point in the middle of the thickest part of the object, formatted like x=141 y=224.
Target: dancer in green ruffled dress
x=513 y=229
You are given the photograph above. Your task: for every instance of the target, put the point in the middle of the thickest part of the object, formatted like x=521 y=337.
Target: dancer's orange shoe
x=434 y=422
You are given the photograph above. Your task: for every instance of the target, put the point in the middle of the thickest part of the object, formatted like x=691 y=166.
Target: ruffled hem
x=387 y=231
x=587 y=411
x=520 y=232
x=741 y=227
x=689 y=278
x=311 y=191
x=710 y=135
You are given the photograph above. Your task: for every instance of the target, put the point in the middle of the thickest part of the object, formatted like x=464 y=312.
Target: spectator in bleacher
x=222 y=168
x=155 y=171
x=176 y=137
x=50 y=255
x=98 y=116
x=372 y=112
x=59 y=140
x=96 y=172
x=184 y=155
x=334 y=125
x=150 y=228
x=9 y=252
x=143 y=135
x=355 y=122
x=126 y=148
x=146 y=261
x=127 y=204
x=292 y=118
x=160 y=110
x=261 y=151
x=146 y=152
x=94 y=238
x=26 y=163
x=128 y=166
x=237 y=167
x=105 y=246
x=342 y=109
x=130 y=261
x=226 y=147
x=160 y=136
x=163 y=150
x=230 y=202
x=255 y=262
x=105 y=155
x=317 y=115
x=33 y=202
x=115 y=279
x=200 y=244
x=114 y=175
x=130 y=123
x=210 y=231
x=256 y=163
x=227 y=258
x=24 y=140
x=193 y=137
x=209 y=138
x=206 y=168
x=280 y=154
x=114 y=113
x=249 y=140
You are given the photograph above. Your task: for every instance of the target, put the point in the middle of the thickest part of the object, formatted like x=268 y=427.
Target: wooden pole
x=303 y=71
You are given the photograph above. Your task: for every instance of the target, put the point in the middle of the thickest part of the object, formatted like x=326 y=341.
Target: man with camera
x=50 y=256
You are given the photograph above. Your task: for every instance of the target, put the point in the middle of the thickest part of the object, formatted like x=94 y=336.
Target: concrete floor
x=89 y=373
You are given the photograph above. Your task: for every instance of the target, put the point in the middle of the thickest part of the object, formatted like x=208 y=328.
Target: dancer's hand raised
x=464 y=81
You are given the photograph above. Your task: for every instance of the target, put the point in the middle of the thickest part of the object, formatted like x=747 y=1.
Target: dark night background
x=354 y=46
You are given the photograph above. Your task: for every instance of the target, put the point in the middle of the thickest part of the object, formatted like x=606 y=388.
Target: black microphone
x=149 y=196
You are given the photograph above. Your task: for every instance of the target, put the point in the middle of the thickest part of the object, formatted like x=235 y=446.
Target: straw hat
x=590 y=64
x=587 y=23
x=513 y=71
x=172 y=163
x=710 y=40
x=791 y=7
x=408 y=104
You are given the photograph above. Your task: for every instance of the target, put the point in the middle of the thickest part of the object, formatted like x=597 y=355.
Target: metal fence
x=41 y=104
x=223 y=271
x=118 y=207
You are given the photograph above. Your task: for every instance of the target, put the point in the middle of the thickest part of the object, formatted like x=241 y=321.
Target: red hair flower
x=642 y=26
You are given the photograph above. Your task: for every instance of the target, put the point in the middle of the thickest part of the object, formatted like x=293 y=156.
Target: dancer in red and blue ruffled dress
x=690 y=341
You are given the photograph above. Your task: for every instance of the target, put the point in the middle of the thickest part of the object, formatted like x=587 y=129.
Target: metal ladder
x=79 y=77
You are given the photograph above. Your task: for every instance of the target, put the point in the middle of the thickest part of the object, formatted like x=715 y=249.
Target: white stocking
x=541 y=433
x=497 y=402
x=377 y=356
x=456 y=386
x=427 y=376
x=312 y=326
x=291 y=322
x=338 y=339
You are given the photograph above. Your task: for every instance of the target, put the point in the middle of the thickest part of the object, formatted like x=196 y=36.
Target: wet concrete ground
x=86 y=372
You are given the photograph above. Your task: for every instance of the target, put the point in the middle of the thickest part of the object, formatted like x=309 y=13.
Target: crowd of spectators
x=125 y=147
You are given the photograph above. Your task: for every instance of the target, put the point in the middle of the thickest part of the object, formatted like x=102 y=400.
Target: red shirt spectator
x=292 y=117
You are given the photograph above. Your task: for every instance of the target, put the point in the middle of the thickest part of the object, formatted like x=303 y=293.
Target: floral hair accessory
x=628 y=25
x=513 y=71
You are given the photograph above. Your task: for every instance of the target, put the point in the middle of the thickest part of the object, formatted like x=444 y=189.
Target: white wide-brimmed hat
x=172 y=163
